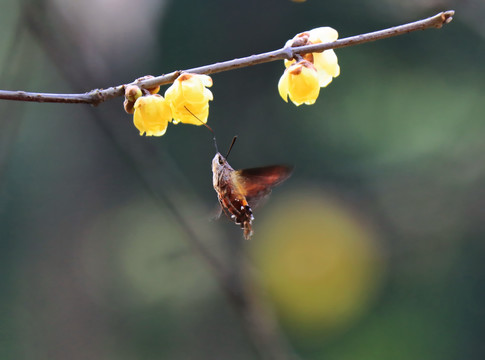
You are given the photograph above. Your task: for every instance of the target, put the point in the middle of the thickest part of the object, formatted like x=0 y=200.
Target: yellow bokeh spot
x=318 y=264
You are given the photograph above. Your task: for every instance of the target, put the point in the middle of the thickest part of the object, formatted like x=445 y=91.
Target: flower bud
x=129 y=106
x=152 y=90
x=132 y=92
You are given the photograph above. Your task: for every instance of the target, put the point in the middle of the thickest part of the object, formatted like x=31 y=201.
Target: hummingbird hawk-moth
x=240 y=190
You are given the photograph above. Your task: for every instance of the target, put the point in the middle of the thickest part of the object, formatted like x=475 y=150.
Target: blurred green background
x=373 y=249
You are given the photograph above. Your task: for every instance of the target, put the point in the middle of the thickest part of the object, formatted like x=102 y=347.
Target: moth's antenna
x=232 y=144
x=207 y=126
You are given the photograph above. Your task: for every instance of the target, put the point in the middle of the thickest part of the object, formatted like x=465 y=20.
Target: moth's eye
x=220 y=161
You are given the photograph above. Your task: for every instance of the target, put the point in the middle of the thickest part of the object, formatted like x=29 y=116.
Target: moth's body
x=231 y=195
x=238 y=190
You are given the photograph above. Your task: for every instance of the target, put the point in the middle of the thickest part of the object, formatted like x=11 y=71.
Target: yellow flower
x=300 y=83
x=152 y=114
x=189 y=96
x=325 y=62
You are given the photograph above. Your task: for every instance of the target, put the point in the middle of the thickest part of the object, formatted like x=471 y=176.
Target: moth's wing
x=216 y=212
x=256 y=183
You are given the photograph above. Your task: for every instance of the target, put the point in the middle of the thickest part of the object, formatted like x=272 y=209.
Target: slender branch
x=87 y=98
x=97 y=96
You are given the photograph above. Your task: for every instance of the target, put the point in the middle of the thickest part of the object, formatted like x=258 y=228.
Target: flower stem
x=97 y=96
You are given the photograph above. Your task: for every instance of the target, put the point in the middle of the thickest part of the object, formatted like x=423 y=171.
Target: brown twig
x=97 y=96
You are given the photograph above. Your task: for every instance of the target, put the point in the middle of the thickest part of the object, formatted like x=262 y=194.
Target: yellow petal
x=205 y=79
x=288 y=63
x=289 y=43
x=208 y=94
x=304 y=87
x=172 y=91
x=283 y=85
x=300 y=83
x=189 y=98
x=152 y=114
x=327 y=61
x=323 y=35
x=324 y=79
x=193 y=90
x=327 y=66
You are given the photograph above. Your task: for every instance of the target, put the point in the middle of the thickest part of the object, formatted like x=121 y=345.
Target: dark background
x=373 y=249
